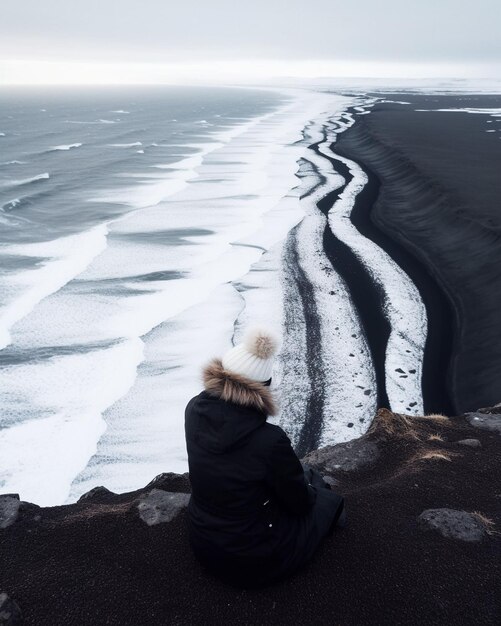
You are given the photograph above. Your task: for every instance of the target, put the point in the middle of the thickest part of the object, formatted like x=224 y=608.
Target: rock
x=471 y=443
x=453 y=524
x=485 y=421
x=95 y=492
x=10 y=613
x=9 y=509
x=29 y=512
x=160 y=506
x=349 y=456
x=169 y=480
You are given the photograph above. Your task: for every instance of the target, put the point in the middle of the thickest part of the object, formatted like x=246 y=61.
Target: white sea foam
x=347 y=367
x=14 y=162
x=160 y=186
x=41 y=456
x=144 y=428
x=26 y=181
x=120 y=111
x=403 y=305
x=68 y=146
x=479 y=111
x=266 y=289
x=12 y=204
x=66 y=258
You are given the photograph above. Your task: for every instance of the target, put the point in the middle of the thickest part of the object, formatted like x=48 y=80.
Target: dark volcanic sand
x=97 y=563
x=439 y=200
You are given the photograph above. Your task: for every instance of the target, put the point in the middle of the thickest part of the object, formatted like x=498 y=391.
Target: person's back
x=253 y=516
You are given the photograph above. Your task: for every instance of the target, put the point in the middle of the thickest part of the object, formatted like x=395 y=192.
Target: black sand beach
x=433 y=205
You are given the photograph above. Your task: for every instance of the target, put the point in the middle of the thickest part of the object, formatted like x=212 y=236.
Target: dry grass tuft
x=435 y=437
x=433 y=455
x=486 y=522
x=436 y=416
x=407 y=426
x=394 y=424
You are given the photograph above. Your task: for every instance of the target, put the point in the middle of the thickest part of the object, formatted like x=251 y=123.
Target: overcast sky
x=284 y=36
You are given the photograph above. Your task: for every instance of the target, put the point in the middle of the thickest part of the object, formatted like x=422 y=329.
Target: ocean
x=128 y=215
x=92 y=256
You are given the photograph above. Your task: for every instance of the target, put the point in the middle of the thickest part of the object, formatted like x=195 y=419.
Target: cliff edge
x=422 y=546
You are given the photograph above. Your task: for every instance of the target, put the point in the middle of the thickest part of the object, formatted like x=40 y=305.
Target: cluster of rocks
x=364 y=452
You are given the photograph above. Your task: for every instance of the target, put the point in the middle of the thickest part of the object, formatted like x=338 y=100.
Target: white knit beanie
x=254 y=356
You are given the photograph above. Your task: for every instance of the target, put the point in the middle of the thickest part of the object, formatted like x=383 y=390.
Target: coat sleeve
x=286 y=478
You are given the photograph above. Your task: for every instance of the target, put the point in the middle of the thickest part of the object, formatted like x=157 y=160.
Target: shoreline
x=363 y=290
x=427 y=218
x=436 y=353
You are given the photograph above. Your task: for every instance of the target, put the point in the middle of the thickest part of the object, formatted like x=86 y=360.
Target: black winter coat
x=255 y=514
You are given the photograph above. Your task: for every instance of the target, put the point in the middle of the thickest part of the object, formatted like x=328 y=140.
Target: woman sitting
x=256 y=515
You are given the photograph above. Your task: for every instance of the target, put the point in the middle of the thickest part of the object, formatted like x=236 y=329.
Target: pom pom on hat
x=254 y=356
x=261 y=342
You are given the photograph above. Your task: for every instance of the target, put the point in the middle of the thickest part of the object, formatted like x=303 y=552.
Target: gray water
x=161 y=121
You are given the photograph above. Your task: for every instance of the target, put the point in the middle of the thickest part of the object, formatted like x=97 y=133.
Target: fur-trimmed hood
x=233 y=387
